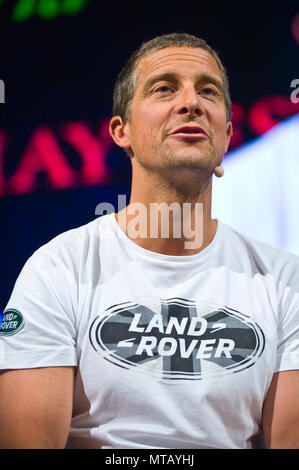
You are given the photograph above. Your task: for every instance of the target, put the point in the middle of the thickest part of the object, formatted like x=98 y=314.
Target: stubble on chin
x=187 y=175
x=166 y=159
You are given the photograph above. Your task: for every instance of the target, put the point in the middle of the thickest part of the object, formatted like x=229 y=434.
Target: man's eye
x=210 y=91
x=163 y=89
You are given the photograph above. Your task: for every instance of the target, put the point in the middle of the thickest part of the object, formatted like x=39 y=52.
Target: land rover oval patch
x=12 y=322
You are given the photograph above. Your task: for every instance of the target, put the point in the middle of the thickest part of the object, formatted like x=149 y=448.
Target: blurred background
x=59 y=60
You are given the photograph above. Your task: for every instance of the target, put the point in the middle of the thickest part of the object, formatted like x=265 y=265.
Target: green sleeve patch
x=12 y=322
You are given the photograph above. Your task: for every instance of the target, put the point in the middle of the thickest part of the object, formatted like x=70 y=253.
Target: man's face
x=179 y=90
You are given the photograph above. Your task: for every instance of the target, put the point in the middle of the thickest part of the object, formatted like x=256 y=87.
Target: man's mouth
x=190 y=132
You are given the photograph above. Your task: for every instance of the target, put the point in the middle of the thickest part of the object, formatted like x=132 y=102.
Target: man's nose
x=189 y=102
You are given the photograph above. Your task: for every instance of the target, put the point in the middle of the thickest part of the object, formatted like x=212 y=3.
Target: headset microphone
x=218 y=171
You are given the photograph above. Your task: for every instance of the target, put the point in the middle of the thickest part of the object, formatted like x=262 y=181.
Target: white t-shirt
x=171 y=351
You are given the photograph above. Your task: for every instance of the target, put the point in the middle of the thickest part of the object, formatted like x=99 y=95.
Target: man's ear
x=120 y=132
x=229 y=133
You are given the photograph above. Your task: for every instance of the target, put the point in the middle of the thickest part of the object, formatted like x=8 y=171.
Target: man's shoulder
x=68 y=246
x=267 y=259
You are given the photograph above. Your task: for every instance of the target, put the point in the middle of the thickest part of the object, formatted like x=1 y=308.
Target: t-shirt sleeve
x=38 y=327
x=288 y=323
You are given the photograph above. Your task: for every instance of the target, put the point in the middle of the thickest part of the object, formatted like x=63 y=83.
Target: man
x=119 y=337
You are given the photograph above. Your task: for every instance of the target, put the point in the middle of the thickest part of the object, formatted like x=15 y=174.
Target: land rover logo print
x=177 y=339
x=12 y=322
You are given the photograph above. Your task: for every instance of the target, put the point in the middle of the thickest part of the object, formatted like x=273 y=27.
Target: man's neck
x=167 y=222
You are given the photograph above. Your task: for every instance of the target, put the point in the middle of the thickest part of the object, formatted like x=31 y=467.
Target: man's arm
x=36 y=407
x=281 y=411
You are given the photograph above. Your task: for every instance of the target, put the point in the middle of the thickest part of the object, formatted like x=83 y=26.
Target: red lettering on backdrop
x=42 y=154
x=269 y=111
x=93 y=150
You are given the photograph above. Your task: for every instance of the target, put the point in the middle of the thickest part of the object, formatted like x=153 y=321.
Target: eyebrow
x=173 y=76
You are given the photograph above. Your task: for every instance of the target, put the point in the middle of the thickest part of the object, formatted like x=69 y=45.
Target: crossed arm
x=36 y=409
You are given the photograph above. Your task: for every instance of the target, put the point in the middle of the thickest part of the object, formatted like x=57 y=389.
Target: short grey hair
x=127 y=79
